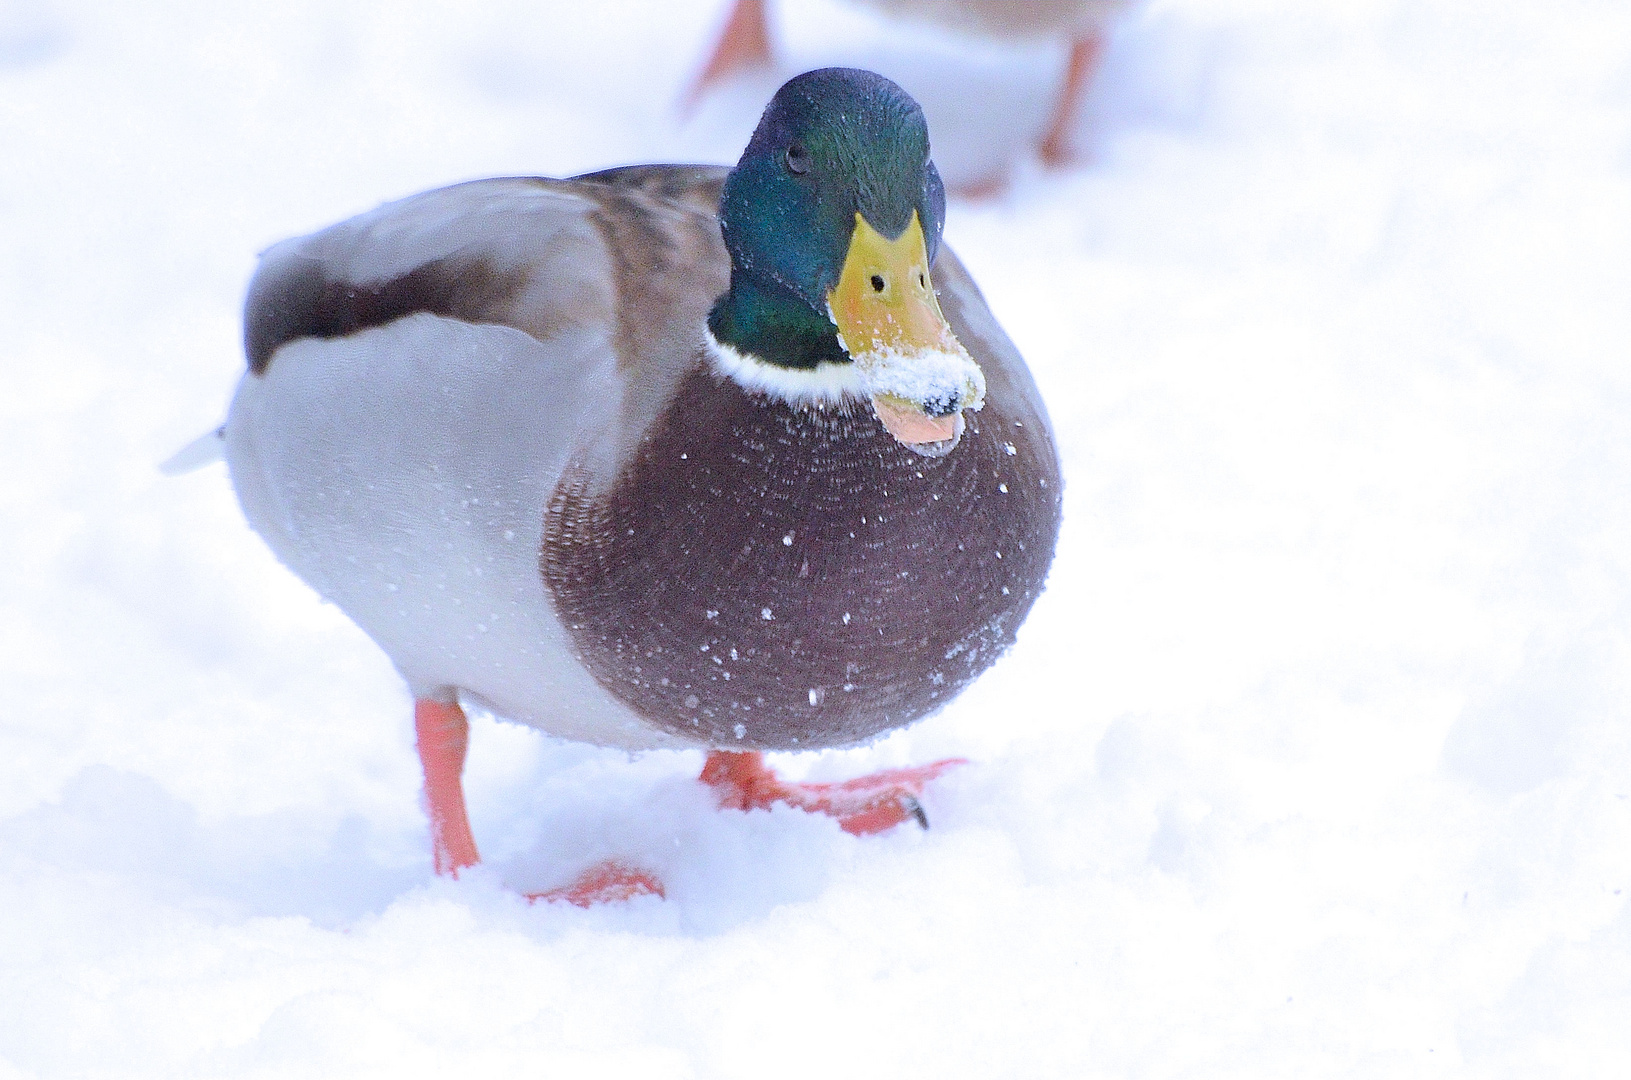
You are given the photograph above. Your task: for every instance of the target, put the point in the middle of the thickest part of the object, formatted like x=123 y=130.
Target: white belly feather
x=402 y=471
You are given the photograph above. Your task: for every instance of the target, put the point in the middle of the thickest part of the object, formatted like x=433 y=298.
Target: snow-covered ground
x=1313 y=761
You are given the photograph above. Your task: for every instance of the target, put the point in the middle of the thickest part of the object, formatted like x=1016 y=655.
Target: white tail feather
x=208 y=447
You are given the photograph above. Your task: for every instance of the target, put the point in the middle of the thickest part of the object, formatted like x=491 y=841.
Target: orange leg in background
x=743 y=45
x=863 y=806
x=444 y=735
x=1085 y=53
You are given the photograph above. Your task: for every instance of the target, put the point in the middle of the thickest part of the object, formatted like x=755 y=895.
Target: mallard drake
x=745 y=43
x=662 y=456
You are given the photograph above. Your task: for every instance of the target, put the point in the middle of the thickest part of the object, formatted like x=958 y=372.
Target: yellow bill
x=919 y=376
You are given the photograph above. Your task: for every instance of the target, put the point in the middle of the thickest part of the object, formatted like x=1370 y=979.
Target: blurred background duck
x=745 y=44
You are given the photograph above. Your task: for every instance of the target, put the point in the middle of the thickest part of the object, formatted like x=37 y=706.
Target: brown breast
x=761 y=576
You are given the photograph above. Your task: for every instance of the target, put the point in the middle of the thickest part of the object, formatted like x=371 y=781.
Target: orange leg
x=863 y=806
x=444 y=735
x=743 y=45
x=1085 y=53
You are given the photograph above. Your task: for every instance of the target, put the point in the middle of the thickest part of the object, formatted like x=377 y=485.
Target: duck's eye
x=798 y=159
x=877 y=283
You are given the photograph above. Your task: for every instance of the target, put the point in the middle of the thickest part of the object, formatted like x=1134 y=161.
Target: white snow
x=1313 y=760
x=926 y=375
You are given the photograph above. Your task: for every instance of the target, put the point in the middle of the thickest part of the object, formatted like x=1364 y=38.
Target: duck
x=659 y=457
x=745 y=44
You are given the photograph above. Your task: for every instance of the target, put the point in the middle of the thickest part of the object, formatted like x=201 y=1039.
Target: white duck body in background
x=745 y=44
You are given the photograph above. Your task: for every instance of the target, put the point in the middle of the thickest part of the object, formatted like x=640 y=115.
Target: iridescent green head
x=832 y=143
x=833 y=220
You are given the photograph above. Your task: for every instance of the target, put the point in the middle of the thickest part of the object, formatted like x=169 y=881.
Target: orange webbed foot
x=983 y=188
x=609 y=882
x=863 y=806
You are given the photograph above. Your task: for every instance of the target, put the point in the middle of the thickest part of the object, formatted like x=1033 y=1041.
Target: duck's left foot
x=863 y=806
x=610 y=882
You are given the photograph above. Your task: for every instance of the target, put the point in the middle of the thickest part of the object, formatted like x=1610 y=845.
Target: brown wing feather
x=637 y=246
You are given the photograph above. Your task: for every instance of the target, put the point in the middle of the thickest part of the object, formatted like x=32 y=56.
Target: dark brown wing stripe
x=297 y=300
